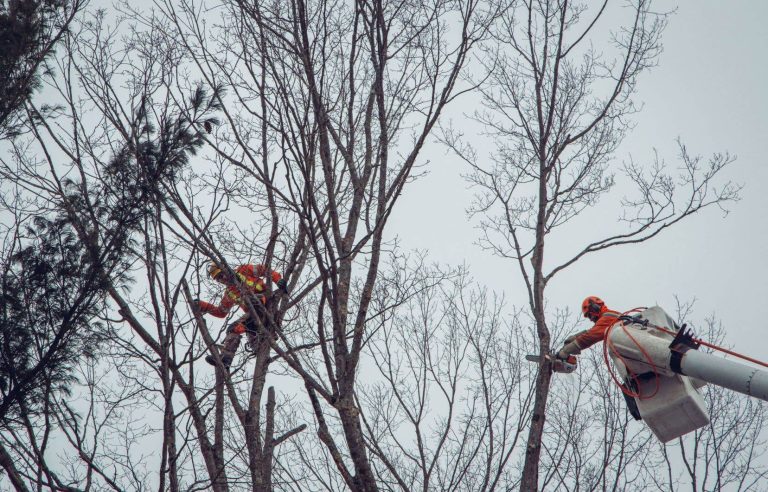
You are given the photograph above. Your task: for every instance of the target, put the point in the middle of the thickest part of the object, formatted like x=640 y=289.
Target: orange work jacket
x=252 y=278
x=597 y=333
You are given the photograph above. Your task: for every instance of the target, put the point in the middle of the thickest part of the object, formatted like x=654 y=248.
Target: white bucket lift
x=668 y=372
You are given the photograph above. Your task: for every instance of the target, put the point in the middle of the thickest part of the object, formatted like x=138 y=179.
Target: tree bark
x=13 y=474
x=364 y=479
x=530 y=479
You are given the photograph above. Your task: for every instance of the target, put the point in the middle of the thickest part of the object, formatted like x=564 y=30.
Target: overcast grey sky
x=710 y=90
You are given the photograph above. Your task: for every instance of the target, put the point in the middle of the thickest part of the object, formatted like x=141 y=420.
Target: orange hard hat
x=214 y=270
x=591 y=306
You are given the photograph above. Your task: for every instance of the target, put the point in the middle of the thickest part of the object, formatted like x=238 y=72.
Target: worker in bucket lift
x=251 y=281
x=595 y=309
x=603 y=318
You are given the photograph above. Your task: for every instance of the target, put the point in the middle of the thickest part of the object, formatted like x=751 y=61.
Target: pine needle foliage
x=51 y=295
x=29 y=32
x=55 y=289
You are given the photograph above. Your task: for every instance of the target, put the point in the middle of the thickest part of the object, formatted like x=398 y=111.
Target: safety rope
x=632 y=376
x=609 y=345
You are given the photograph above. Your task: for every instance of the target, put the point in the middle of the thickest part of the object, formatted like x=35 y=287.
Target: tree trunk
x=269 y=436
x=529 y=482
x=6 y=462
x=259 y=461
x=364 y=480
x=530 y=479
x=169 y=435
x=219 y=478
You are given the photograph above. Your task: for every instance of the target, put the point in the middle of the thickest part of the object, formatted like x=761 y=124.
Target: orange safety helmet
x=591 y=307
x=214 y=270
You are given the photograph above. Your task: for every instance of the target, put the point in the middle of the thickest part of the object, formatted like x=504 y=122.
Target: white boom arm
x=725 y=373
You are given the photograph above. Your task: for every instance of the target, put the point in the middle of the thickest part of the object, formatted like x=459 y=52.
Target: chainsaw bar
x=557 y=364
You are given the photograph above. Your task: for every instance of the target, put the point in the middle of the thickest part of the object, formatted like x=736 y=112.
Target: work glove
x=570 y=348
x=282 y=285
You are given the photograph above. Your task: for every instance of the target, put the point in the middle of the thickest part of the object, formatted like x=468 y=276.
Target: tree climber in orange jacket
x=595 y=309
x=250 y=282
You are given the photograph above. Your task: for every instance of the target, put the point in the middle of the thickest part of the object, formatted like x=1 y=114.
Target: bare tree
x=107 y=160
x=558 y=109
x=325 y=111
x=284 y=133
x=591 y=442
x=329 y=106
x=448 y=407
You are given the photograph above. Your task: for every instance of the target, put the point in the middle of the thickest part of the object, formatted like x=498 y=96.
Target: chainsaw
x=558 y=365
